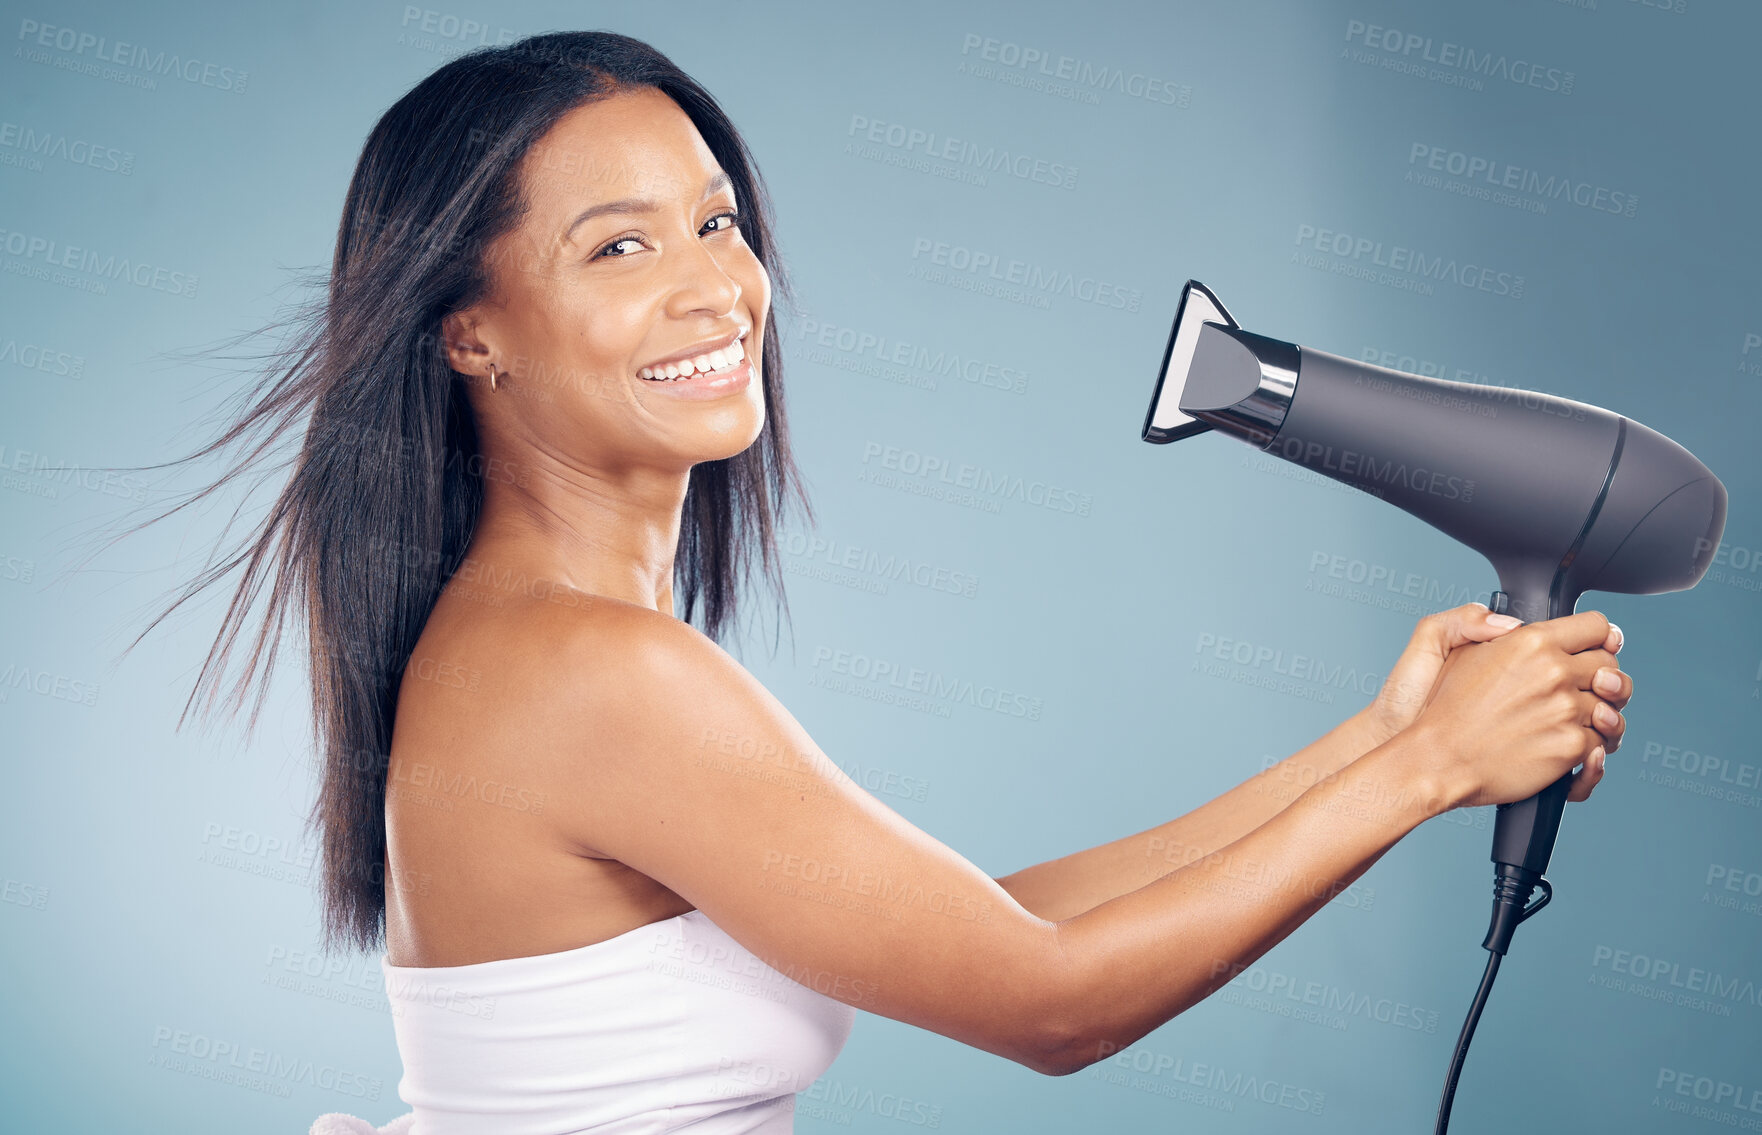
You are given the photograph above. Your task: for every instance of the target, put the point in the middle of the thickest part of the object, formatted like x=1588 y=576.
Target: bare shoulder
x=620 y=691
x=648 y=679
x=663 y=753
x=607 y=649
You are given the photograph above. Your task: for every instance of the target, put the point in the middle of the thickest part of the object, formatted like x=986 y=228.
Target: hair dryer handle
x=1523 y=834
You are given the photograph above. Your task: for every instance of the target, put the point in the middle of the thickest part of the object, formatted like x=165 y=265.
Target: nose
x=700 y=284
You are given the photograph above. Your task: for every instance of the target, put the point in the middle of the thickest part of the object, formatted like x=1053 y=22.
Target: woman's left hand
x=1409 y=684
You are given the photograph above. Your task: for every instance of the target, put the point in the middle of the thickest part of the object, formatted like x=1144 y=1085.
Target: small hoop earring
x=492 y=376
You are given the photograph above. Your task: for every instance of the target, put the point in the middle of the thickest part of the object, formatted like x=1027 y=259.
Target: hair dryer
x=1562 y=497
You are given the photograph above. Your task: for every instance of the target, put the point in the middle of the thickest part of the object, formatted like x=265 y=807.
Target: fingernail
x=1606 y=682
x=1506 y=621
x=1618 y=639
x=1605 y=716
x=1599 y=756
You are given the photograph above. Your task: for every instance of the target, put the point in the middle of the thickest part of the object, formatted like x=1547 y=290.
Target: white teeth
x=717 y=360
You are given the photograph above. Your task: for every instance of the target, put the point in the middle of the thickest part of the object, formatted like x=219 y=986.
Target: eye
x=607 y=248
x=731 y=217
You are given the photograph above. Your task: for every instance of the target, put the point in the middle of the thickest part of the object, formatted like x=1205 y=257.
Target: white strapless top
x=673 y=1026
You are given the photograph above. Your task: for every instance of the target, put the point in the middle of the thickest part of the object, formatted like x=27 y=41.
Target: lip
x=702 y=386
x=695 y=350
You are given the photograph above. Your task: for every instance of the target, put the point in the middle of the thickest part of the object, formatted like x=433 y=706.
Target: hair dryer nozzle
x=1166 y=421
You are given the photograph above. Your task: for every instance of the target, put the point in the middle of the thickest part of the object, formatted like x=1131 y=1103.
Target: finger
x=1471 y=622
x=1573 y=633
x=1610 y=724
x=1441 y=632
x=1585 y=664
x=1612 y=685
x=1585 y=780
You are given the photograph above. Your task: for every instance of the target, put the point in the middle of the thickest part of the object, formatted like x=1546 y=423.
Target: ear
x=466 y=351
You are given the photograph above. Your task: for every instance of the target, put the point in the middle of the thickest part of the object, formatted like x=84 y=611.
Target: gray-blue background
x=155 y=881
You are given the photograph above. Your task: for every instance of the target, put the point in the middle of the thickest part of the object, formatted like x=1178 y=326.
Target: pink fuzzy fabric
x=336 y=1123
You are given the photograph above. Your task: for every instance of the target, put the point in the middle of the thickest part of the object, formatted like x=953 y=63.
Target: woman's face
x=628 y=259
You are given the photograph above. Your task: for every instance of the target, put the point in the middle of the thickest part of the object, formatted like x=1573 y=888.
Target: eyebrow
x=717 y=183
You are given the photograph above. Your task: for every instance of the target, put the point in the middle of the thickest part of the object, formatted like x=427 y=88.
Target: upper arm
x=680 y=764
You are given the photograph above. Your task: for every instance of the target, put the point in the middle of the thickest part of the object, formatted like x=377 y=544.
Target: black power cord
x=1511 y=890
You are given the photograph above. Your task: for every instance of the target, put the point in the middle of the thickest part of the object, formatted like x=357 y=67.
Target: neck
x=601 y=533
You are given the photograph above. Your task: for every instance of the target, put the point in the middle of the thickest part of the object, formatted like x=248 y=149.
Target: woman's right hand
x=1509 y=717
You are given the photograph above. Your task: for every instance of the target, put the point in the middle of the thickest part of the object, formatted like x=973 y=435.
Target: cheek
x=602 y=334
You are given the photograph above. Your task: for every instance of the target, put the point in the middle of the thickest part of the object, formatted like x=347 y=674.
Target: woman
x=619 y=887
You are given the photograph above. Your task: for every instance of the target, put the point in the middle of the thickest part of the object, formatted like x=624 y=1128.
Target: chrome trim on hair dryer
x=1165 y=422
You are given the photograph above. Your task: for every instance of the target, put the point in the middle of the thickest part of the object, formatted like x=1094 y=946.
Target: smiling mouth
x=722 y=361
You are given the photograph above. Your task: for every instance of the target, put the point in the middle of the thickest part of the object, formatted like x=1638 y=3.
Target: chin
x=732 y=434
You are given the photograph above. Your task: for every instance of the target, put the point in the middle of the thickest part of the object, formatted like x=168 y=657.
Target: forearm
x=1060 y=888
x=1137 y=960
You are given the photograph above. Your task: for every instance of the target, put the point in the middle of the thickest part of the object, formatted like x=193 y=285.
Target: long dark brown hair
x=385 y=491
